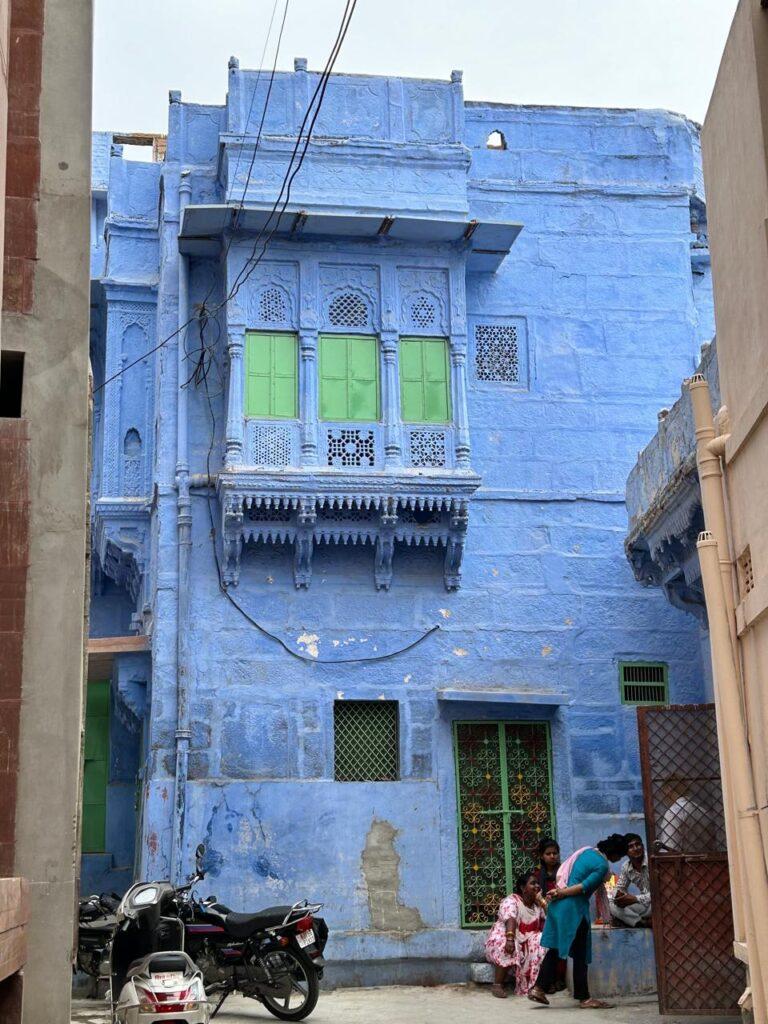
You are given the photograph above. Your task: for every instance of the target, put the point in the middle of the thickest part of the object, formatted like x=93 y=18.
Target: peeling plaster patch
x=152 y=843
x=546 y=650
x=382 y=697
x=339 y=695
x=381 y=879
x=270 y=579
x=335 y=643
x=568 y=622
x=576 y=547
x=460 y=652
x=494 y=572
x=408 y=678
x=445 y=612
x=309 y=642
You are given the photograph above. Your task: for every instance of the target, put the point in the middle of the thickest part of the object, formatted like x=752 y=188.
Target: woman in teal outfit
x=567 y=932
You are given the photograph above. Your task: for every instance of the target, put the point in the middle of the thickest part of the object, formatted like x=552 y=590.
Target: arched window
x=272 y=306
x=132 y=463
x=496 y=140
x=348 y=310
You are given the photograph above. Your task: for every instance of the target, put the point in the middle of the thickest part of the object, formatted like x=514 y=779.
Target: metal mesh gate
x=503 y=773
x=693 y=927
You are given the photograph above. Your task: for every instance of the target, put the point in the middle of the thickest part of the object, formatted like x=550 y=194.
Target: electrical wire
x=287 y=183
x=246 y=615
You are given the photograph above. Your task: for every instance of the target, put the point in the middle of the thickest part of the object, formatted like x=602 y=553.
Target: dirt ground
x=467 y=1004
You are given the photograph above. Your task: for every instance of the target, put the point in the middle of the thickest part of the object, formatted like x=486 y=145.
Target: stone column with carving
x=458 y=342
x=390 y=367
x=308 y=334
x=234 y=439
x=308 y=396
x=393 y=449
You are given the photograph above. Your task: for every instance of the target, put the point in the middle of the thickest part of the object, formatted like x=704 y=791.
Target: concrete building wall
x=46 y=318
x=599 y=286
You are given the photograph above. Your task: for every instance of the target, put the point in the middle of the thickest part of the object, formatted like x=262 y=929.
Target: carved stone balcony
x=327 y=505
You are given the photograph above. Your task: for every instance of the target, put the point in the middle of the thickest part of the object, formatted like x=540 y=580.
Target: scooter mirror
x=199 y=854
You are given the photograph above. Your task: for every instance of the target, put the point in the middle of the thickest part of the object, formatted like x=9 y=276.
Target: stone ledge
x=623 y=963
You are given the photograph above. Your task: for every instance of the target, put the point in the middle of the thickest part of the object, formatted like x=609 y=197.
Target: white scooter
x=151 y=979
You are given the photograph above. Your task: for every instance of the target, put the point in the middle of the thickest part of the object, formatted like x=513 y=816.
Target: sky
x=616 y=53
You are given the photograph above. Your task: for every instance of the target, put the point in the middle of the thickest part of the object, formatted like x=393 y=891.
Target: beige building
x=45 y=104
x=698 y=496
x=735 y=154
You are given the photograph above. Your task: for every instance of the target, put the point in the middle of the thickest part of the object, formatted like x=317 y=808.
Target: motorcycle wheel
x=305 y=989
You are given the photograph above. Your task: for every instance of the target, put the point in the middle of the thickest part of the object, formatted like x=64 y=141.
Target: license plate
x=169 y=979
x=305 y=938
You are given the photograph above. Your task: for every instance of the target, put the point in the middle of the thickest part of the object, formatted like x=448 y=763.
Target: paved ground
x=445 y=1005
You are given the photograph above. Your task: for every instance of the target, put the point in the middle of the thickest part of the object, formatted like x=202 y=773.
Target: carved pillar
x=308 y=396
x=234 y=440
x=390 y=380
x=459 y=395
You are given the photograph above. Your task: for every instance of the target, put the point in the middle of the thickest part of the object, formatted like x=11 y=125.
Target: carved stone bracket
x=120 y=543
x=383 y=516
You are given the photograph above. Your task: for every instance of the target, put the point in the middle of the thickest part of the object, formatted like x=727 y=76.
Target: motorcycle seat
x=243 y=925
x=99 y=924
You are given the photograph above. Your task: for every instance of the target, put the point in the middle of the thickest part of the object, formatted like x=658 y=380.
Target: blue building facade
x=366 y=503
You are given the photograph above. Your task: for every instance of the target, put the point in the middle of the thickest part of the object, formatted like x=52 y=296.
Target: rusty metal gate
x=693 y=928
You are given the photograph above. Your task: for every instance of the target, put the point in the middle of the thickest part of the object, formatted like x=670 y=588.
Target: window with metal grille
x=497 y=353
x=366 y=740
x=644 y=682
x=746 y=573
x=273 y=308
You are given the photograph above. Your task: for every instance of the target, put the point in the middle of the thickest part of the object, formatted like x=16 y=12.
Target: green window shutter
x=424 y=380
x=96 y=767
x=271 y=376
x=349 y=378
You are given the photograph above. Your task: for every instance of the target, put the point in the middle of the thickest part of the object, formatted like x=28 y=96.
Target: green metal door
x=95 y=767
x=504 y=782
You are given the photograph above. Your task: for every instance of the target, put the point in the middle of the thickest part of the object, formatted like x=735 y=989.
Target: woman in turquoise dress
x=568 y=931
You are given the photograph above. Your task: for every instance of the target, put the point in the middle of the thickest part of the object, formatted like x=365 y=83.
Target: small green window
x=424 y=380
x=271 y=376
x=349 y=378
x=366 y=740
x=644 y=682
x=95 y=767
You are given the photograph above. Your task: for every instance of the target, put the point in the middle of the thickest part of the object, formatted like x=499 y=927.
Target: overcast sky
x=618 y=53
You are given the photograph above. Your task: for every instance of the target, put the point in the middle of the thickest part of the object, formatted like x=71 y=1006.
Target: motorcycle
x=274 y=955
x=96 y=923
x=150 y=975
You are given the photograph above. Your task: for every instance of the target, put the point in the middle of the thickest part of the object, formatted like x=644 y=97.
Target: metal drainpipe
x=184 y=534
x=713 y=504
x=748 y=835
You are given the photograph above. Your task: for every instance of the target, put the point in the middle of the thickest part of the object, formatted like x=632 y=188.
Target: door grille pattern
x=505 y=807
x=690 y=888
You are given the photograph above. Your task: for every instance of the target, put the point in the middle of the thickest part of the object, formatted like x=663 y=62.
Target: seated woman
x=568 y=929
x=514 y=942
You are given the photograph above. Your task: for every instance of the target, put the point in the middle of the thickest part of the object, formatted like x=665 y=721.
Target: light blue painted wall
x=600 y=286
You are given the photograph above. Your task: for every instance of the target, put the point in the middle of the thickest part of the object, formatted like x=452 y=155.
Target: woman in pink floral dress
x=514 y=942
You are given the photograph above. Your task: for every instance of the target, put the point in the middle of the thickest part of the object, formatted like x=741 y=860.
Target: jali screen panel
x=504 y=775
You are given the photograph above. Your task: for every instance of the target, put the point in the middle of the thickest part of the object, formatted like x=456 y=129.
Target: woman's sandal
x=596 y=1004
x=537 y=996
x=499 y=991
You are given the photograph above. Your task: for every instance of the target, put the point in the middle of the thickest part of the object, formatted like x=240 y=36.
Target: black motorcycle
x=274 y=955
x=96 y=924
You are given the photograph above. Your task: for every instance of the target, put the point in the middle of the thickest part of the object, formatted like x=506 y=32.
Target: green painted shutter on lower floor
x=349 y=378
x=424 y=380
x=96 y=767
x=271 y=376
